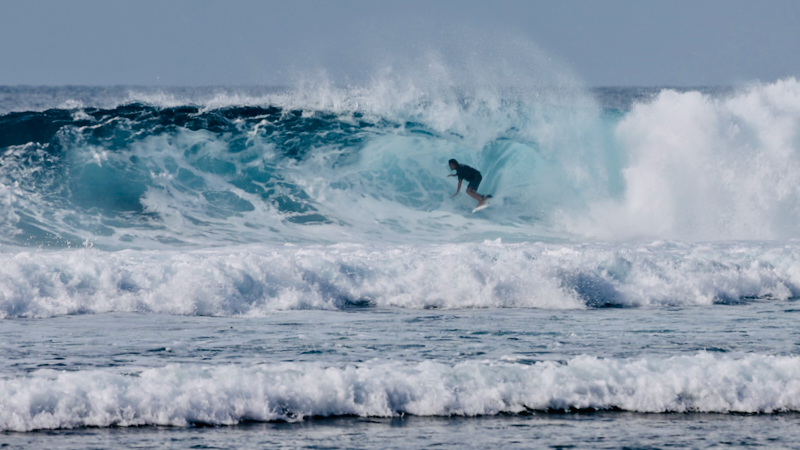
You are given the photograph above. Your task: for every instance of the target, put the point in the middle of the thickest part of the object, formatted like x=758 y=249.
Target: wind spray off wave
x=703 y=167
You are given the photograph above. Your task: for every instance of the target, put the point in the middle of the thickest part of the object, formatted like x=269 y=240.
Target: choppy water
x=286 y=267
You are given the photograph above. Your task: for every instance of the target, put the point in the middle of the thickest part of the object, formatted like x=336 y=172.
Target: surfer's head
x=453 y=164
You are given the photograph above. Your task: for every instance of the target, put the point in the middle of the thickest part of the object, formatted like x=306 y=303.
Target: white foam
x=179 y=395
x=259 y=279
x=701 y=167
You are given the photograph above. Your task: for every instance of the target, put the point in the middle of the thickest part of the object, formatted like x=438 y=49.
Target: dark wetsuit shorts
x=474 y=183
x=472 y=176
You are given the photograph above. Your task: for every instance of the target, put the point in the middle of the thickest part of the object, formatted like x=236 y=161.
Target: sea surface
x=284 y=267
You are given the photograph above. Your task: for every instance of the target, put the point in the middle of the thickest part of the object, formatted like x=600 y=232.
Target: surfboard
x=483 y=206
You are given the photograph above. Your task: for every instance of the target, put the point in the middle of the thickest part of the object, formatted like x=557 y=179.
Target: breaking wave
x=182 y=395
x=325 y=165
x=259 y=280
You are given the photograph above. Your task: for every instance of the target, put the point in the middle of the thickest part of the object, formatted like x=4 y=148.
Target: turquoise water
x=231 y=267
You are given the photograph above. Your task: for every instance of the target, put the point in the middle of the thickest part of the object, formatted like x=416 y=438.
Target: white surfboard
x=483 y=206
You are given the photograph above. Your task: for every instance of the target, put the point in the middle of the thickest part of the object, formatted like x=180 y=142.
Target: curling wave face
x=338 y=167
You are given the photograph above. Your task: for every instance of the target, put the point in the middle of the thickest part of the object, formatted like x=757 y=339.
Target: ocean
x=284 y=267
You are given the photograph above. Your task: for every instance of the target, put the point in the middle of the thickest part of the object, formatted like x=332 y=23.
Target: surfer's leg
x=480 y=198
x=472 y=190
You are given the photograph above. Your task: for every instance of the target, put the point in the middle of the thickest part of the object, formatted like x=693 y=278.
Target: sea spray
x=704 y=167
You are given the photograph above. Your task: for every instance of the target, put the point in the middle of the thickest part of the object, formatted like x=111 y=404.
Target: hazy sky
x=249 y=42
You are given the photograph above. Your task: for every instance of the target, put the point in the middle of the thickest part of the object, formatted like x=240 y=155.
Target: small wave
x=183 y=395
x=258 y=280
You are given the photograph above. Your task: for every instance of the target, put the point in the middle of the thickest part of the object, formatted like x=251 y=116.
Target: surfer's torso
x=467 y=173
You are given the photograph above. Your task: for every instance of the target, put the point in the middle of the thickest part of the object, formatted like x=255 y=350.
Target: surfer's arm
x=458 y=189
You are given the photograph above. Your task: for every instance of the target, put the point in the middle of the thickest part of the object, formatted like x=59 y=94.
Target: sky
x=270 y=42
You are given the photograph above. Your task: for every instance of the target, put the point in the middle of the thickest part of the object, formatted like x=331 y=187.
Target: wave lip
x=183 y=395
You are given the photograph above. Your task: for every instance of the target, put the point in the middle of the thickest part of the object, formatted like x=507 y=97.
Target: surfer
x=473 y=177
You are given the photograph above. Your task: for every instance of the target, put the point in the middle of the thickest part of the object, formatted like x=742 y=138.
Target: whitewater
x=284 y=266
